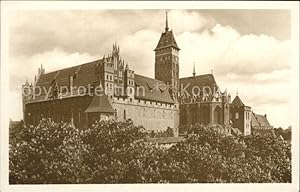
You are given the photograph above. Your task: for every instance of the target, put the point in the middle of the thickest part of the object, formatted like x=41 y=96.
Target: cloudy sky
x=248 y=50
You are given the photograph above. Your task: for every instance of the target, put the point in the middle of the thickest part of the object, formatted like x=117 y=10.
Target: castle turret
x=240 y=115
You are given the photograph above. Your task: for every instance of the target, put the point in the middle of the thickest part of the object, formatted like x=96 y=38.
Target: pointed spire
x=167 y=28
x=194 y=71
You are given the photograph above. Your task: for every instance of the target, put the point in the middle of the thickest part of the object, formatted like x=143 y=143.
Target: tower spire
x=194 y=71
x=167 y=28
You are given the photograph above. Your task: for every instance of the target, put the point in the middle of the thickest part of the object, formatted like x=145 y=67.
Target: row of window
x=166 y=49
x=247 y=115
x=109 y=77
x=130 y=82
x=168 y=58
x=120 y=81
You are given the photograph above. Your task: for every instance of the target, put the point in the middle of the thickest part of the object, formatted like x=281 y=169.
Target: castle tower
x=240 y=116
x=167 y=60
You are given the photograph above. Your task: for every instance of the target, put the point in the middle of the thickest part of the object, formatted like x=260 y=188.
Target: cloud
x=26 y=67
x=224 y=50
x=190 y=21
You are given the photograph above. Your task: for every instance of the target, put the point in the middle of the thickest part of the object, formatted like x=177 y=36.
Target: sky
x=248 y=51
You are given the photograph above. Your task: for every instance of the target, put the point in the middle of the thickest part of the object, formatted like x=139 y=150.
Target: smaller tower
x=240 y=115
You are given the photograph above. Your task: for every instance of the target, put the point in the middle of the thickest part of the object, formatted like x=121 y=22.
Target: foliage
x=285 y=133
x=166 y=133
x=48 y=153
x=118 y=152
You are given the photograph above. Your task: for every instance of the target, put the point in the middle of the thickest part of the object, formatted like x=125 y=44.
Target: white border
x=8 y=7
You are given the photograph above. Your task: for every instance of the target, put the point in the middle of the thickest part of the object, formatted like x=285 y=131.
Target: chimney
x=265 y=115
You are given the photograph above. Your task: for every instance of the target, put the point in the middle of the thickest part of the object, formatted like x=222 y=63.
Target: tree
x=48 y=153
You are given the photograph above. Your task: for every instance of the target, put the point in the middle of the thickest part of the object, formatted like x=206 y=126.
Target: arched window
x=236 y=115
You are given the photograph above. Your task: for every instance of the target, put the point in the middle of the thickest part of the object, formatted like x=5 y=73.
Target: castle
x=109 y=88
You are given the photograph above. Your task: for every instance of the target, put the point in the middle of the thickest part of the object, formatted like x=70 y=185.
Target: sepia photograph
x=149 y=95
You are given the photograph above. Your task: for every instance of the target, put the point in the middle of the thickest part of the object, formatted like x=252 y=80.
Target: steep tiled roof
x=83 y=76
x=262 y=120
x=260 y=125
x=254 y=122
x=155 y=90
x=237 y=102
x=259 y=121
x=197 y=81
x=100 y=104
x=167 y=39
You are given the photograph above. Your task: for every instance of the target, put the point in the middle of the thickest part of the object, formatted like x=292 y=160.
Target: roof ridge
x=148 y=77
x=208 y=74
x=73 y=66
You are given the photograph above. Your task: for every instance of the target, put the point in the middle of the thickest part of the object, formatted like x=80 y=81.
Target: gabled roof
x=197 y=81
x=83 y=75
x=259 y=121
x=155 y=90
x=167 y=39
x=99 y=104
x=237 y=102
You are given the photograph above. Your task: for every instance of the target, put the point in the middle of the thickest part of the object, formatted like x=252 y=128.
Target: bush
x=116 y=152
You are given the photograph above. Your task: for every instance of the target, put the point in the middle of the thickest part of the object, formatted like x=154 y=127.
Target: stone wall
x=151 y=115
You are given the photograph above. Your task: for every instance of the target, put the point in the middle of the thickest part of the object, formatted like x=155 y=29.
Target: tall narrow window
x=124 y=114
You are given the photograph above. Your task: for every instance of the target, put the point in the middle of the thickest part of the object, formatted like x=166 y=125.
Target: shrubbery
x=116 y=152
